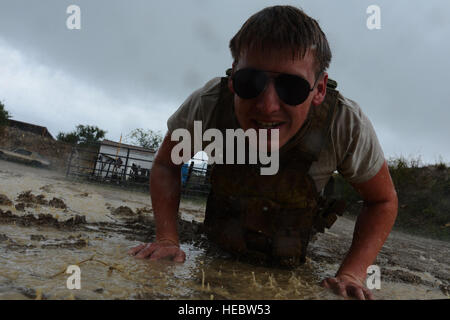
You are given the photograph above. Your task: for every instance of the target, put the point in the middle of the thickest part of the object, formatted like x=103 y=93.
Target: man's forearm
x=165 y=189
x=371 y=230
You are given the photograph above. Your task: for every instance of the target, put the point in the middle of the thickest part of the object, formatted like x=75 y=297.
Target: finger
x=147 y=251
x=164 y=253
x=356 y=292
x=135 y=250
x=325 y=284
x=180 y=256
x=329 y=283
x=342 y=290
x=368 y=294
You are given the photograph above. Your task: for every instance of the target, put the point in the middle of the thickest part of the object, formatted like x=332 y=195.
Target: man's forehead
x=279 y=61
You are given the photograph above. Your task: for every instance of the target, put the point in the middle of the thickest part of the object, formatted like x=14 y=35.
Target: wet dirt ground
x=48 y=222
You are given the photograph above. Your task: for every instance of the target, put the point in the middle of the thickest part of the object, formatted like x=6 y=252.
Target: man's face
x=268 y=109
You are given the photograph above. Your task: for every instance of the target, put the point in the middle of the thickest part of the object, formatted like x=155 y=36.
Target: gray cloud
x=138 y=60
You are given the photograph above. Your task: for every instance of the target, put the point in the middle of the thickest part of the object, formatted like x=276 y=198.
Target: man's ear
x=321 y=90
x=230 y=81
x=230 y=85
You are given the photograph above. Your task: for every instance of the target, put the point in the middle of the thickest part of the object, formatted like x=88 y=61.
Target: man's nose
x=268 y=101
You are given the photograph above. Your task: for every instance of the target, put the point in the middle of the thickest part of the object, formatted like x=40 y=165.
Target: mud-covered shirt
x=352 y=148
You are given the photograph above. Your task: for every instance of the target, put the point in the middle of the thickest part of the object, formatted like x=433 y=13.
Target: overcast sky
x=134 y=62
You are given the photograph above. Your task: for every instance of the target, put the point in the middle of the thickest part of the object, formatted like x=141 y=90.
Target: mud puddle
x=96 y=227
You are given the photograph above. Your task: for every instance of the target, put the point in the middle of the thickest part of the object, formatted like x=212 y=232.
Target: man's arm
x=165 y=190
x=371 y=230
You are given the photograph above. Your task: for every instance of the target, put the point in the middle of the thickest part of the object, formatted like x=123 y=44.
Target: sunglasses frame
x=274 y=77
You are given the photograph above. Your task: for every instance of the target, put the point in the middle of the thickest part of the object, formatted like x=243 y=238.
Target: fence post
x=107 y=172
x=70 y=163
x=207 y=174
x=95 y=165
x=191 y=167
x=126 y=165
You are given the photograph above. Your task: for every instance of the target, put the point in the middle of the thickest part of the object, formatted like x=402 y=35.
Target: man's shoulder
x=211 y=88
x=348 y=108
x=207 y=96
x=199 y=106
x=349 y=116
x=355 y=146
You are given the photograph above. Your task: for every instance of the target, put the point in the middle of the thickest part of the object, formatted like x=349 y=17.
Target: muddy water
x=34 y=254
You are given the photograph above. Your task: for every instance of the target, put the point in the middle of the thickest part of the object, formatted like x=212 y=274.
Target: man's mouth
x=268 y=125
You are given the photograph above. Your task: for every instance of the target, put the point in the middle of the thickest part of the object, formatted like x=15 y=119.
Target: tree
x=147 y=139
x=4 y=115
x=70 y=137
x=82 y=135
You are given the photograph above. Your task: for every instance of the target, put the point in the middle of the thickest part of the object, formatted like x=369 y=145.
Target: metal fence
x=127 y=170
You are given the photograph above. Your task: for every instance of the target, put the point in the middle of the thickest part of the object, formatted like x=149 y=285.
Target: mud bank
x=97 y=225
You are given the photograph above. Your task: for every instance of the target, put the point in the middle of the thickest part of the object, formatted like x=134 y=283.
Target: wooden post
x=70 y=162
x=124 y=176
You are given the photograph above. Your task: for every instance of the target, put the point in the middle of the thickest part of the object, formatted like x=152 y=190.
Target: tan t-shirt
x=353 y=148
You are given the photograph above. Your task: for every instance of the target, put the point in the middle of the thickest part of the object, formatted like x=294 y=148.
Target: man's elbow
x=389 y=203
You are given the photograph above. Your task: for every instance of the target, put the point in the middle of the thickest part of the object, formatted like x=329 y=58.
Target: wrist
x=168 y=240
x=352 y=276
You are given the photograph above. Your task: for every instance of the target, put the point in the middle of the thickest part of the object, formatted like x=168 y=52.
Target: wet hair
x=282 y=29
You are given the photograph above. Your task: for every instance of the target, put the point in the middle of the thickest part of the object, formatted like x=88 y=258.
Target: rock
x=40 y=199
x=75 y=221
x=123 y=211
x=20 y=206
x=57 y=203
x=445 y=289
x=4 y=201
x=46 y=188
x=37 y=237
x=5 y=214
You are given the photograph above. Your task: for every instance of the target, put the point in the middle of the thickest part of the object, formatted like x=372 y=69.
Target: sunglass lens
x=292 y=89
x=249 y=83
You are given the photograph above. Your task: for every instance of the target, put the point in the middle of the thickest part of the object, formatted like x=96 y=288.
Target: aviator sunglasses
x=249 y=83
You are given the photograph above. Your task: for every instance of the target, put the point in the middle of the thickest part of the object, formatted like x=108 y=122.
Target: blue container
x=184 y=173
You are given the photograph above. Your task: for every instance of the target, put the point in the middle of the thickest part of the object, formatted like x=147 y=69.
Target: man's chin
x=268 y=138
x=275 y=146
x=270 y=143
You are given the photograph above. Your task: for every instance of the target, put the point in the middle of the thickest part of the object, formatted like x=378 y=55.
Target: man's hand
x=158 y=250
x=371 y=230
x=348 y=286
x=165 y=190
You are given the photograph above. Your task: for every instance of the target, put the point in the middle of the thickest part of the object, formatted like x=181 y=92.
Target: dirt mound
x=123 y=211
x=401 y=276
x=46 y=188
x=4 y=200
x=42 y=219
x=20 y=206
x=37 y=237
x=144 y=210
x=67 y=244
x=28 y=197
x=57 y=203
